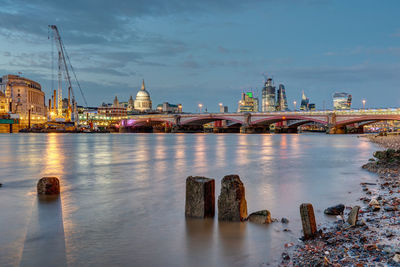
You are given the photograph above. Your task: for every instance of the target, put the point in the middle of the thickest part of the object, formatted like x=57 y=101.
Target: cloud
x=191 y=64
x=360 y=50
x=361 y=73
x=223 y=50
x=395 y=34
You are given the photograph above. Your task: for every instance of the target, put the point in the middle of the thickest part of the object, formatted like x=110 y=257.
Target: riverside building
x=27 y=99
x=169 y=108
x=4 y=103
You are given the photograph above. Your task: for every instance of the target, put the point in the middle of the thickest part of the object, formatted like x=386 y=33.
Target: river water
x=123 y=195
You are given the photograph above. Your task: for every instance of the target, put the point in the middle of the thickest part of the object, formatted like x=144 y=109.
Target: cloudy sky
x=210 y=51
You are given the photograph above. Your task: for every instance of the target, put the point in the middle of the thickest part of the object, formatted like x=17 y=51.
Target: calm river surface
x=123 y=195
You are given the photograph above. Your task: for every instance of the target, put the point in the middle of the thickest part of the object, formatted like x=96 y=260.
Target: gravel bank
x=375 y=239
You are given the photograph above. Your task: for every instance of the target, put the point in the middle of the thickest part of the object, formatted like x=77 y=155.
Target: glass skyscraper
x=268 y=96
x=281 y=104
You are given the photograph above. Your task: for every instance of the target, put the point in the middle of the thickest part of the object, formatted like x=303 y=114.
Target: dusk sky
x=210 y=51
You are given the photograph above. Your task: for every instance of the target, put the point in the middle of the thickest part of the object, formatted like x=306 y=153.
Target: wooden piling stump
x=308 y=220
x=232 y=205
x=48 y=186
x=200 y=197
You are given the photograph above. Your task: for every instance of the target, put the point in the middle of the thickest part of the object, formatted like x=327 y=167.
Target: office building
x=268 y=96
x=248 y=103
x=169 y=108
x=341 y=101
x=304 y=101
x=282 y=104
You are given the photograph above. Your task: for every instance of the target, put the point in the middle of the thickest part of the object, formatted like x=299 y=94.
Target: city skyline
x=211 y=52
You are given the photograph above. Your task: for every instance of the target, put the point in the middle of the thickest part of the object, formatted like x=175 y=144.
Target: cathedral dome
x=142 y=95
x=142 y=102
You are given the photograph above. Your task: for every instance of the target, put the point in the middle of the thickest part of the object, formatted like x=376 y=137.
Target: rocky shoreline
x=375 y=238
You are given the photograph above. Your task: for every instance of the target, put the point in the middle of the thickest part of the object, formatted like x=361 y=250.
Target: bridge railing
x=387 y=111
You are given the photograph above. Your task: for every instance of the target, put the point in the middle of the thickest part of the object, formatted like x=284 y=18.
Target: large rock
x=200 y=197
x=261 y=217
x=353 y=215
x=48 y=186
x=232 y=205
x=335 y=210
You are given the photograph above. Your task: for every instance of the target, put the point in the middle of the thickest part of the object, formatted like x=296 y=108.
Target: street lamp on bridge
x=363 y=102
x=294 y=104
x=200 y=106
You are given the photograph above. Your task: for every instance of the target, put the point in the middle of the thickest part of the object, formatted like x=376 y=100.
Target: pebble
x=284 y=220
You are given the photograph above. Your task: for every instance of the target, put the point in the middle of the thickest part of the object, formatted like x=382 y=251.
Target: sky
x=210 y=51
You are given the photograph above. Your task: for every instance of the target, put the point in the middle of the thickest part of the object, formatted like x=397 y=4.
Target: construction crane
x=64 y=67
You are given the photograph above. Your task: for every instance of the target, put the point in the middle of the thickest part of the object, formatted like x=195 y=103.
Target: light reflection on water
x=122 y=200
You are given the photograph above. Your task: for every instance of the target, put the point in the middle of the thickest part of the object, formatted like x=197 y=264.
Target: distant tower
x=268 y=96
x=142 y=102
x=116 y=103
x=130 y=104
x=282 y=101
x=304 y=101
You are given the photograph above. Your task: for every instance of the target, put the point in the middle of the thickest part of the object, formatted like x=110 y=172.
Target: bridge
x=335 y=121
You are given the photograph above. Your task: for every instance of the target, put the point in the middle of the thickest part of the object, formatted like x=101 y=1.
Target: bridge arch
x=274 y=119
x=145 y=122
x=366 y=119
x=296 y=124
x=200 y=120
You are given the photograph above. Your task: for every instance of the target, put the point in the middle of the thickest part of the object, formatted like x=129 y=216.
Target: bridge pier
x=336 y=130
x=285 y=130
x=247 y=129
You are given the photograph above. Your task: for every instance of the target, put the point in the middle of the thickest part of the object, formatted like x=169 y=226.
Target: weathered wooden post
x=200 y=197
x=48 y=186
x=353 y=215
x=308 y=220
x=232 y=205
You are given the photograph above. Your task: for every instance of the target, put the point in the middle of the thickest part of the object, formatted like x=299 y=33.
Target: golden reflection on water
x=142 y=154
x=200 y=151
x=267 y=149
x=283 y=147
x=220 y=151
x=160 y=147
x=55 y=166
x=242 y=150
x=295 y=144
x=54 y=159
x=160 y=155
x=180 y=148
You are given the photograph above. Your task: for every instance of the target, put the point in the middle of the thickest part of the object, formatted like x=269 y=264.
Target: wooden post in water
x=48 y=186
x=308 y=220
x=200 y=197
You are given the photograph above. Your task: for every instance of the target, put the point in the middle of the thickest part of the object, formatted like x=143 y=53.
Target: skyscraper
x=268 y=96
x=304 y=102
x=248 y=103
x=282 y=101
